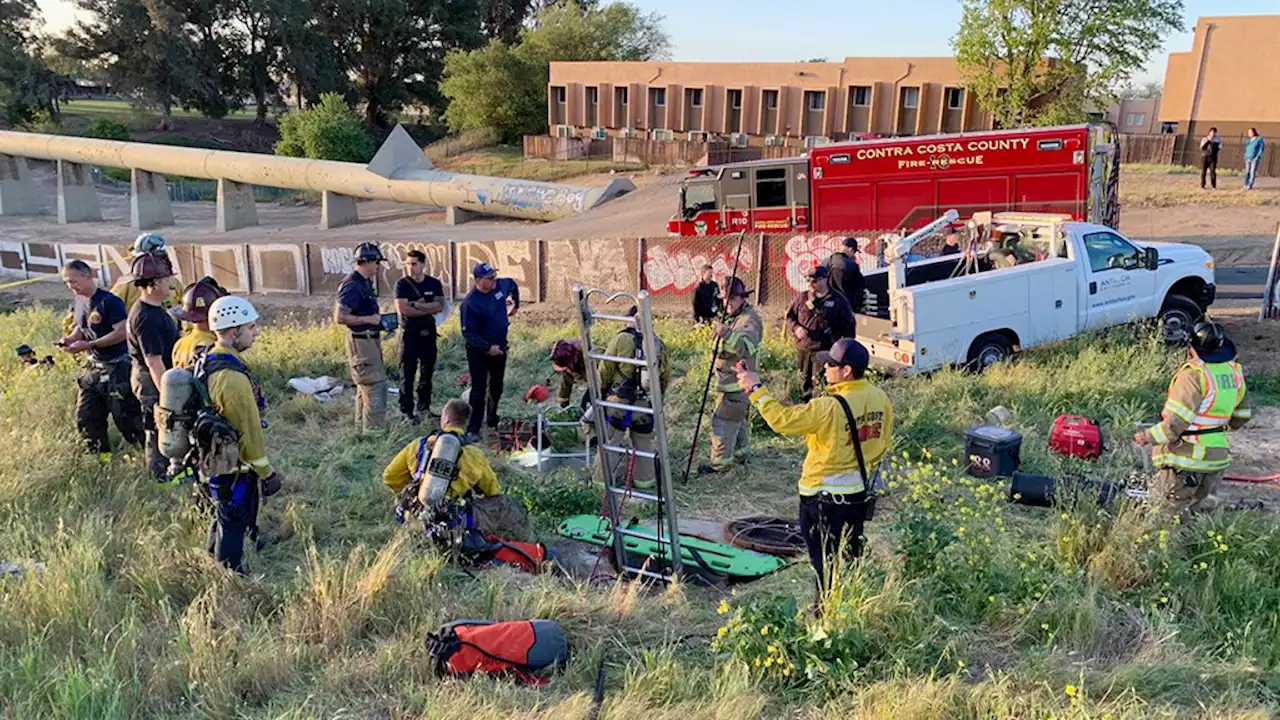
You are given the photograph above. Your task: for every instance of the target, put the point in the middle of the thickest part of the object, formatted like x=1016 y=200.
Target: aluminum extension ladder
x=668 y=539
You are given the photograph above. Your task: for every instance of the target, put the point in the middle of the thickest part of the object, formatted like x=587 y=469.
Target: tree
x=505 y=88
x=394 y=50
x=1041 y=62
x=1145 y=91
x=502 y=19
x=26 y=82
x=327 y=131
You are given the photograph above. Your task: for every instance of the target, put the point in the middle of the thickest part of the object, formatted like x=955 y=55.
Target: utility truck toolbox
x=992 y=451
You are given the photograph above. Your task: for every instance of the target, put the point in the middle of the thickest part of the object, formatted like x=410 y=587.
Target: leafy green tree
x=502 y=19
x=505 y=88
x=326 y=131
x=1042 y=62
x=27 y=85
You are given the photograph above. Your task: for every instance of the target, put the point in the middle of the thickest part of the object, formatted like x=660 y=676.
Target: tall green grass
x=966 y=606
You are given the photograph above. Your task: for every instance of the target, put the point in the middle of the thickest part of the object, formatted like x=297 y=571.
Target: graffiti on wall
x=539 y=197
x=515 y=259
x=608 y=263
x=676 y=266
x=802 y=253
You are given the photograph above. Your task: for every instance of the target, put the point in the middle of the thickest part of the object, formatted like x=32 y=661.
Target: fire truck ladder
x=616 y=494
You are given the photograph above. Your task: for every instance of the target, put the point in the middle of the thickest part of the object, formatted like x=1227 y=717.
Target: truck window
x=771 y=188
x=698 y=198
x=1108 y=251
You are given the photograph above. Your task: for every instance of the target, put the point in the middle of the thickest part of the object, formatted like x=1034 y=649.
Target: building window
x=695 y=98
x=771 y=99
x=660 y=97
x=815 y=101
x=955 y=98
x=910 y=97
x=1135 y=119
x=735 y=99
x=862 y=96
x=620 y=95
x=593 y=95
x=560 y=94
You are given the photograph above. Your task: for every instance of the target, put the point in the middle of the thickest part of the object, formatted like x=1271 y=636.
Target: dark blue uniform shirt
x=357 y=296
x=484 y=319
x=96 y=318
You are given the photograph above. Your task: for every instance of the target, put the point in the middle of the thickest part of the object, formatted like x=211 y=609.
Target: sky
x=781 y=31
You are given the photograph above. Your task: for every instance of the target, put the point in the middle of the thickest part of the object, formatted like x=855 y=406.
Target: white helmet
x=230 y=312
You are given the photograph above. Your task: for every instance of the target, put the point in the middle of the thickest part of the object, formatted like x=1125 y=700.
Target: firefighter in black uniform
x=98 y=331
x=818 y=317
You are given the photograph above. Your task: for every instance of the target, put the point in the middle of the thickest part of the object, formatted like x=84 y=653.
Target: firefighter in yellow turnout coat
x=627 y=384
x=1206 y=398
x=740 y=338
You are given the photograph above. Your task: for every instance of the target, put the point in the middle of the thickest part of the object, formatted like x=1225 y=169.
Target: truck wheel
x=988 y=350
x=1177 y=317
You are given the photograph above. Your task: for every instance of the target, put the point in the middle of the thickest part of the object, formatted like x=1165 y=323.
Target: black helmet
x=369 y=252
x=1210 y=341
x=24 y=351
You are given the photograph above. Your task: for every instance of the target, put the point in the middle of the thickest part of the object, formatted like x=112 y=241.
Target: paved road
x=1240 y=283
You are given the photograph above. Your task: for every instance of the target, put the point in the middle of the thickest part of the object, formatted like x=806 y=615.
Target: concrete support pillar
x=77 y=197
x=235 y=206
x=18 y=194
x=149 y=200
x=337 y=210
x=457 y=216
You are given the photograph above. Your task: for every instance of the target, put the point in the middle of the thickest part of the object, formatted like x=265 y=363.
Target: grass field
x=508 y=161
x=966 y=607
x=123 y=111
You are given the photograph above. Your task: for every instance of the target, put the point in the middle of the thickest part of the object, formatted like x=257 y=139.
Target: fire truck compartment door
x=735 y=189
x=1050 y=193
x=846 y=206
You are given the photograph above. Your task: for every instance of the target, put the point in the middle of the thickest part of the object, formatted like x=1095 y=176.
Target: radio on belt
x=992 y=451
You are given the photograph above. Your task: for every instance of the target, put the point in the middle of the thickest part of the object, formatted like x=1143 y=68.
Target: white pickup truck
x=1073 y=277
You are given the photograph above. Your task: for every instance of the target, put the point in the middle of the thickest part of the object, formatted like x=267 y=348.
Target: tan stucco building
x=761 y=103
x=1137 y=115
x=1230 y=78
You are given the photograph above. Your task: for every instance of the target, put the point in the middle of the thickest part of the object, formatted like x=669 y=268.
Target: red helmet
x=150 y=267
x=198 y=297
x=568 y=354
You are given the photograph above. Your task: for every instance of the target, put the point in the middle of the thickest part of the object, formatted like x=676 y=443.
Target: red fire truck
x=900 y=184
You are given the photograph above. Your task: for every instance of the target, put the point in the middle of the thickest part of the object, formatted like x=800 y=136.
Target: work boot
x=710 y=469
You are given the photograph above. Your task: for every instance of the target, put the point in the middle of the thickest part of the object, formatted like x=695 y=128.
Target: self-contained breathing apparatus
x=426 y=496
x=633 y=388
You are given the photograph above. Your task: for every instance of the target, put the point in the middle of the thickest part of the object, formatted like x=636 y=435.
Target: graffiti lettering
x=599 y=263
x=336 y=260
x=539 y=197
x=805 y=252
x=676 y=266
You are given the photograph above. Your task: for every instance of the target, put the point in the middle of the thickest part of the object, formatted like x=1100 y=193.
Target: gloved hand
x=537 y=393
x=271 y=484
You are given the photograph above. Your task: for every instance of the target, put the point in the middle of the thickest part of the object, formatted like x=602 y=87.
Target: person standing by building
x=816 y=319
x=1253 y=148
x=846 y=435
x=1210 y=146
x=151 y=335
x=357 y=309
x=485 y=320
x=236 y=493
x=196 y=301
x=740 y=336
x=419 y=297
x=98 y=329
x=706 y=297
x=1206 y=398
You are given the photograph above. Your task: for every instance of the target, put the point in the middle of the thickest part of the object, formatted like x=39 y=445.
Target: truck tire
x=1178 y=315
x=987 y=350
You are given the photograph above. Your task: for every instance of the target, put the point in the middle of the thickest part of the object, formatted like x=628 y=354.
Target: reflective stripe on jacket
x=741 y=344
x=1204 y=401
x=830 y=465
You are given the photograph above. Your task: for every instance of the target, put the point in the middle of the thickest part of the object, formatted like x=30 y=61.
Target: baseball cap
x=484 y=270
x=851 y=243
x=846 y=351
x=819 y=271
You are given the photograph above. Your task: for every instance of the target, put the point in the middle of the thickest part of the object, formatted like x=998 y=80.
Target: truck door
x=771 y=202
x=1116 y=288
x=735 y=191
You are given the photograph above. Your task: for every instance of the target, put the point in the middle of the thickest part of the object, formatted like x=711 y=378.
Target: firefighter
x=817 y=317
x=98 y=331
x=357 y=309
x=151 y=334
x=476 y=485
x=740 y=339
x=196 y=300
x=235 y=395
x=629 y=384
x=146 y=244
x=1207 y=397
x=834 y=495
x=846 y=275
x=566 y=360
x=419 y=297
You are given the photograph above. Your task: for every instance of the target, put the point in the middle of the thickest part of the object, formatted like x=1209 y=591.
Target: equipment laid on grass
x=697 y=554
x=666 y=550
x=992 y=451
x=480 y=549
x=1076 y=436
x=1038 y=490
x=546 y=450
x=521 y=647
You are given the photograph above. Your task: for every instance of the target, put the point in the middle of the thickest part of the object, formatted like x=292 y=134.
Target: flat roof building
x=1230 y=79
x=761 y=103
